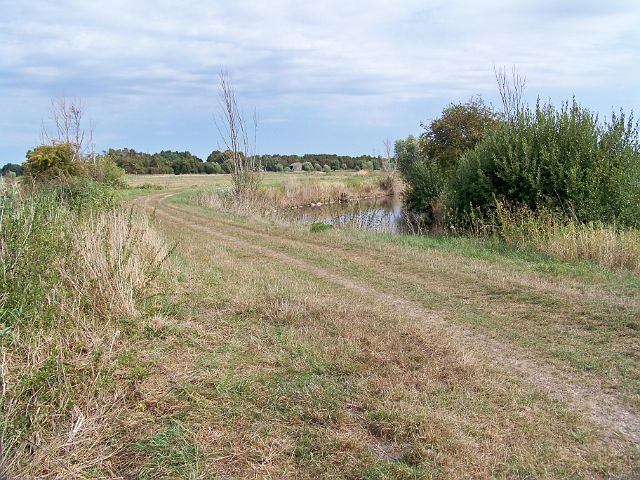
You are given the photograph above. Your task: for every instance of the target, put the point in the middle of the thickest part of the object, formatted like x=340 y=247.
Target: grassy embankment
x=347 y=354
x=357 y=355
x=78 y=273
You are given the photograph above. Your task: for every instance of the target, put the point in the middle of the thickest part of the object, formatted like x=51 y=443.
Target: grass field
x=345 y=354
x=268 y=179
x=266 y=350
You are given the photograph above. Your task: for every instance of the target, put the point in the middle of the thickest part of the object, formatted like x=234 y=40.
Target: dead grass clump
x=117 y=255
x=569 y=240
x=68 y=278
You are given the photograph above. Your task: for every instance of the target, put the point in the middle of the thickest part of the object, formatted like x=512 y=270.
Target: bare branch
x=388 y=162
x=511 y=91
x=235 y=135
x=67 y=118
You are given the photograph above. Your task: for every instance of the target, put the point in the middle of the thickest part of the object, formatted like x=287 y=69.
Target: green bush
x=326 y=169
x=49 y=162
x=81 y=193
x=561 y=160
x=212 y=168
x=317 y=167
x=317 y=227
x=426 y=183
x=307 y=166
x=105 y=170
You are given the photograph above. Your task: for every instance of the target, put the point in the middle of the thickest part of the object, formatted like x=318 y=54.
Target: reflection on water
x=380 y=215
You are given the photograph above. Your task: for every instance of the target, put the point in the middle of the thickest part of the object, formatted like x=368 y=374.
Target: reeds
x=564 y=238
x=296 y=193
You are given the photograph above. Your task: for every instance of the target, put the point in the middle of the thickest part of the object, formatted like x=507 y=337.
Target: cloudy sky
x=332 y=76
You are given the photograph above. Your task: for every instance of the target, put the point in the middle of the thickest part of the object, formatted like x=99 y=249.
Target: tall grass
x=295 y=193
x=70 y=274
x=564 y=238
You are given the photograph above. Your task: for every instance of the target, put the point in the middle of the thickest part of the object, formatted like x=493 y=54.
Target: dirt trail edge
x=619 y=424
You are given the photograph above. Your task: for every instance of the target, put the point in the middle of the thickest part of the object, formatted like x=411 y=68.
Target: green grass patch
x=169 y=453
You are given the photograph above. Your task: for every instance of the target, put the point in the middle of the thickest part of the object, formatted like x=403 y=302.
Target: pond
x=384 y=214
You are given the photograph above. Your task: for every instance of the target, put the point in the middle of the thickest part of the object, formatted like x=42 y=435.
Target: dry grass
x=567 y=240
x=281 y=374
x=294 y=193
x=77 y=278
x=117 y=256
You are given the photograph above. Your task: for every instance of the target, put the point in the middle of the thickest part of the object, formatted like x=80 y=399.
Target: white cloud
x=358 y=58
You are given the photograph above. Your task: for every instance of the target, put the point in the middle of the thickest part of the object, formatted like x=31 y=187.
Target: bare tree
x=511 y=91
x=236 y=137
x=67 y=119
x=388 y=161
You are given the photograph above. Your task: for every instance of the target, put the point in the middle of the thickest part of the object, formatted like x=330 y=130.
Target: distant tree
x=12 y=167
x=212 y=167
x=317 y=167
x=460 y=127
x=307 y=166
x=130 y=161
x=326 y=169
x=227 y=166
x=217 y=156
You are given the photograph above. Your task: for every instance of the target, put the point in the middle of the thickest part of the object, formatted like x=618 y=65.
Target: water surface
x=382 y=214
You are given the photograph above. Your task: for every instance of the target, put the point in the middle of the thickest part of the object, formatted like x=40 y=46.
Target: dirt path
x=618 y=422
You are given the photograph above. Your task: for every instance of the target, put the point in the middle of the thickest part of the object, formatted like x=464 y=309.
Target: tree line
x=167 y=162
x=175 y=162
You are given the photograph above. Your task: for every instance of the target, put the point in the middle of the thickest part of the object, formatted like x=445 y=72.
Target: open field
x=268 y=179
x=346 y=354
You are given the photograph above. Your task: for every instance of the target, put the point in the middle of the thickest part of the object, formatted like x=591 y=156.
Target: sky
x=324 y=77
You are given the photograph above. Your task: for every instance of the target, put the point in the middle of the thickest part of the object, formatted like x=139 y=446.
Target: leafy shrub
x=407 y=153
x=104 y=170
x=48 y=162
x=317 y=167
x=426 y=185
x=212 y=168
x=561 y=160
x=307 y=166
x=82 y=194
x=326 y=169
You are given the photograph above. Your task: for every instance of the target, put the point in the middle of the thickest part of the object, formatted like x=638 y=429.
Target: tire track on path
x=619 y=424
